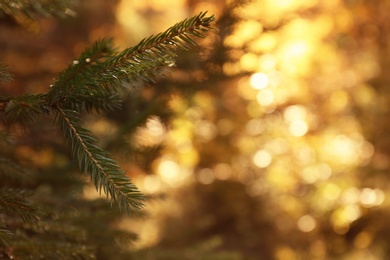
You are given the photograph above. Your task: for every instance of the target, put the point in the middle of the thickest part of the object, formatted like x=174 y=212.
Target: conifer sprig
x=96 y=81
x=82 y=80
x=105 y=172
x=101 y=70
x=145 y=60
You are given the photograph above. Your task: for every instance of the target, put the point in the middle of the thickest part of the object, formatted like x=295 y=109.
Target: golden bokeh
x=303 y=83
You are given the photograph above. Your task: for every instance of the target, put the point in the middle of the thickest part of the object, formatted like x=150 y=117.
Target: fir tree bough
x=95 y=81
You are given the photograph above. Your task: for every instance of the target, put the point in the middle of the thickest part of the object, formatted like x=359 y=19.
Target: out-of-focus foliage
x=280 y=147
x=21 y=10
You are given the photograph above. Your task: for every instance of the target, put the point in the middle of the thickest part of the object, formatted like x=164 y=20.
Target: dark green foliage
x=60 y=225
x=25 y=108
x=100 y=69
x=105 y=172
x=88 y=77
x=95 y=81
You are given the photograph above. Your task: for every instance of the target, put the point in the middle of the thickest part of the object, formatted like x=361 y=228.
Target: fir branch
x=14 y=202
x=105 y=172
x=96 y=80
x=81 y=80
x=99 y=102
x=102 y=70
x=145 y=60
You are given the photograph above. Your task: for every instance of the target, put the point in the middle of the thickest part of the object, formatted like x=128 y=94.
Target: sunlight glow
x=249 y=61
x=259 y=80
x=277 y=146
x=248 y=30
x=309 y=175
x=293 y=127
x=152 y=183
x=286 y=4
x=255 y=189
x=223 y=171
x=206 y=130
x=296 y=49
x=350 y=196
x=332 y=191
x=265 y=97
x=306 y=223
x=184 y=145
x=324 y=171
x=338 y=101
x=343 y=216
x=363 y=240
x=266 y=42
x=314 y=173
x=294 y=57
x=255 y=126
x=173 y=174
x=168 y=170
x=103 y=127
x=305 y=154
x=348 y=214
x=343 y=149
x=267 y=62
x=262 y=159
x=284 y=252
x=153 y=133
x=352 y=212
x=298 y=128
x=225 y=126
x=206 y=176
x=163 y=5
x=155 y=126
x=295 y=112
x=371 y=197
x=366 y=150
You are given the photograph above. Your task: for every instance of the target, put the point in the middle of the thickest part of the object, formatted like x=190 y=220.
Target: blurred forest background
x=269 y=141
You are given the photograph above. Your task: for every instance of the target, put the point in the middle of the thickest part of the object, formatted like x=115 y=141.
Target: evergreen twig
x=96 y=81
x=100 y=69
x=105 y=173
